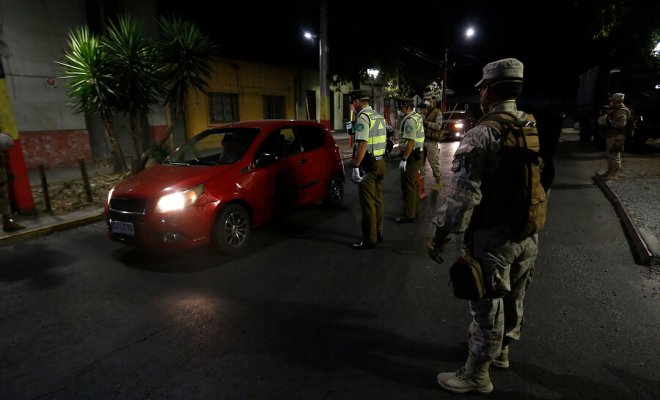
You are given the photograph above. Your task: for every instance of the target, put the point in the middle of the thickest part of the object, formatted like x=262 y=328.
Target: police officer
x=8 y=224
x=433 y=133
x=411 y=140
x=615 y=125
x=369 y=167
x=507 y=261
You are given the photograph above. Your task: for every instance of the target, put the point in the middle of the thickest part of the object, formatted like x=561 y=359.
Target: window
x=311 y=138
x=223 y=107
x=274 y=107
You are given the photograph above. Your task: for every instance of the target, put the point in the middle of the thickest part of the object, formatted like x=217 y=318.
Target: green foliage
x=87 y=67
x=136 y=64
x=186 y=53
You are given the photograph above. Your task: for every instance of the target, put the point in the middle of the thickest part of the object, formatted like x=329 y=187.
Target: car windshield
x=453 y=115
x=213 y=147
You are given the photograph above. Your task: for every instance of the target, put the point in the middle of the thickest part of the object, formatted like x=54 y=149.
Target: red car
x=224 y=182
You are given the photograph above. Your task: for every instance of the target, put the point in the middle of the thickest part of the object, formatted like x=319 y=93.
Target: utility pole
x=324 y=112
x=443 y=103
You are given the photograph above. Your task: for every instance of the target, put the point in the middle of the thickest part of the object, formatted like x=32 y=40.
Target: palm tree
x=186 y=53
x=136 y=65
x=92 y=86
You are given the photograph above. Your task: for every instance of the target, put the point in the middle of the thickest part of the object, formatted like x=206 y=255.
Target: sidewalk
x=634 y=195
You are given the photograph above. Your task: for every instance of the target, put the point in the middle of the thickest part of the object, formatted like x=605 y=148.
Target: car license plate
x=123 y=228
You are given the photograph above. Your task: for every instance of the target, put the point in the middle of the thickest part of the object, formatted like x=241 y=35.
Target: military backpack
x=513 y=195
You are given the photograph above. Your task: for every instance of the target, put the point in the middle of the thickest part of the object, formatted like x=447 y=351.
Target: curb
x=48 y=229
x=641 y=251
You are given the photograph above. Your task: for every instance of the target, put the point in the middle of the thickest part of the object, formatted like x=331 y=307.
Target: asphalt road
x=303 y=316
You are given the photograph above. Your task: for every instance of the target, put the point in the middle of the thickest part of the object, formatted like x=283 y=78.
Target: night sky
x=550 y=38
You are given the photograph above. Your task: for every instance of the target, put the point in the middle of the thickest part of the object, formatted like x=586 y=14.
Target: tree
x=92 y=86
x=186 y=55
x=135 y=63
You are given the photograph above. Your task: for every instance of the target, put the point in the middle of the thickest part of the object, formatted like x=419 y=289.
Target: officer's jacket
x=371 y=127
x=412 y=128
x=476 y=158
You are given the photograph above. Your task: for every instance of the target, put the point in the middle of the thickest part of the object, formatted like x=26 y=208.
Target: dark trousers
x=371 y=201
x=410 y=187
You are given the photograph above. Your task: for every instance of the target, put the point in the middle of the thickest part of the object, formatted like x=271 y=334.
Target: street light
x=373 y=74
x=324 y=111
x=469 y=33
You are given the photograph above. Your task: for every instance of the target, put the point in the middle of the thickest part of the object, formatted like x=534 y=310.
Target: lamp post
x=324 y=104
x=373 y=74
x=469 y=32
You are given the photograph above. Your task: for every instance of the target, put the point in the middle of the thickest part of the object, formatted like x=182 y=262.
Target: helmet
x=6 y=142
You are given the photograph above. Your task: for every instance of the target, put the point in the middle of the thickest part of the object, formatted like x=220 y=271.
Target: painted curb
x=48 y=229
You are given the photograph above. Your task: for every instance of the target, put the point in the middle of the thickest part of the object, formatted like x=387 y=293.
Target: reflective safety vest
x=418 y=121
x=377 y=132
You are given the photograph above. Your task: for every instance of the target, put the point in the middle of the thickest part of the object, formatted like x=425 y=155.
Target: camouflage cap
x=617 y=96
x=507 y=69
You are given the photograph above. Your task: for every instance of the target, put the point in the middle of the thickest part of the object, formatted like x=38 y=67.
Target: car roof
x=271 y=123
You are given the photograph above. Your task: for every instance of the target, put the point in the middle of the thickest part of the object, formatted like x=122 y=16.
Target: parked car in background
x=455 y=124
x=224 y=182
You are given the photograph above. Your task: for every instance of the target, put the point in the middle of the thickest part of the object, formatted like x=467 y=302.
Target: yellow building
x=239 y=91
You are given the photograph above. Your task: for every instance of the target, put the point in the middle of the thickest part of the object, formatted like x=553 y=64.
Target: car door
x=312 y=164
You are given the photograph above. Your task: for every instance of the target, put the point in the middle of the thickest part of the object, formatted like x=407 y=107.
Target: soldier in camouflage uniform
x=507 y=263
x=615 y=125
x=8 y=224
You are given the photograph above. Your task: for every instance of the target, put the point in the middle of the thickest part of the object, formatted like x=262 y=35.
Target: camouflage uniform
x=614 y=125
x=433 y=124
x=4 y=186
x=507 y=265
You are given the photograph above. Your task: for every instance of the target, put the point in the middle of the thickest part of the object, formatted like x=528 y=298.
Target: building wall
x=250 y=81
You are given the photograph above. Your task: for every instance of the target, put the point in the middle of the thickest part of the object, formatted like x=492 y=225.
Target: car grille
x=128 y=210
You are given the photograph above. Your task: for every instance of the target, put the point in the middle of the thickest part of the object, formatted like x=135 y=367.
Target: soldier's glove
x=436 y=245
x=356 y=176
x=402 y=165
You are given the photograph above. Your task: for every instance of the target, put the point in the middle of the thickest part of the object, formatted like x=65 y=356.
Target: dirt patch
x=71 y=195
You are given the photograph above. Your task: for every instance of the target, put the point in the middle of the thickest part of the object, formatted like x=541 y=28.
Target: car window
x=290 y=143
x=220 y=146
x=310 y=137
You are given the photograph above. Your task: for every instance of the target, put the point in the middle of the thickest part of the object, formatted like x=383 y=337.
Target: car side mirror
x=264 y=159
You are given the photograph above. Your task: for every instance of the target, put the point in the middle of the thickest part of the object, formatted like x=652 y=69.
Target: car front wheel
x=335 y=191
x=232 y=229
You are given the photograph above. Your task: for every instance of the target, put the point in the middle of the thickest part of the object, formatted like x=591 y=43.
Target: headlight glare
x=179 y=200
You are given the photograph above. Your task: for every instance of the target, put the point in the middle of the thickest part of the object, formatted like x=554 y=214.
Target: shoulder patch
x=409 y=129
x=359 y=127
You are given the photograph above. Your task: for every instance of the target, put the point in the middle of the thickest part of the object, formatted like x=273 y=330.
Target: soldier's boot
x=473 y=376
x=502 y=361
x=9 y=225
x=437 y=185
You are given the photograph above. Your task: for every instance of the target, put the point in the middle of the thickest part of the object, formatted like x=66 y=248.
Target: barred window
x=274 y=107
x=223 y=107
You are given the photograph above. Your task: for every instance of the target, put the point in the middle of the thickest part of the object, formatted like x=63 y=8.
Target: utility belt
x=417 y=153
x=369 y=162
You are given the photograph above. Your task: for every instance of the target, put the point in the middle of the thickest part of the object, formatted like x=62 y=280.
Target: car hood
x=162 y=179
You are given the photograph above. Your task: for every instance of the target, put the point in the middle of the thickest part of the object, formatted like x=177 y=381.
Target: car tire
x=335 y=191
x=232 y=229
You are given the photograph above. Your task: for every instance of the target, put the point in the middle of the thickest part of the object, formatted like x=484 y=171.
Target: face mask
x=399 y=113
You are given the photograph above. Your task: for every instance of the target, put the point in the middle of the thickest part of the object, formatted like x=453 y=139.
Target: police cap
x=404 y=101
x=359 y=95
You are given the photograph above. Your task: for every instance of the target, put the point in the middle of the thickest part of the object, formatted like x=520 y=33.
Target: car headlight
x=179 y=200
x=110 y=195
x=458 y=125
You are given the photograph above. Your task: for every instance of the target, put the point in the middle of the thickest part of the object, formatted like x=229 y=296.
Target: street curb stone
x=641 y=250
